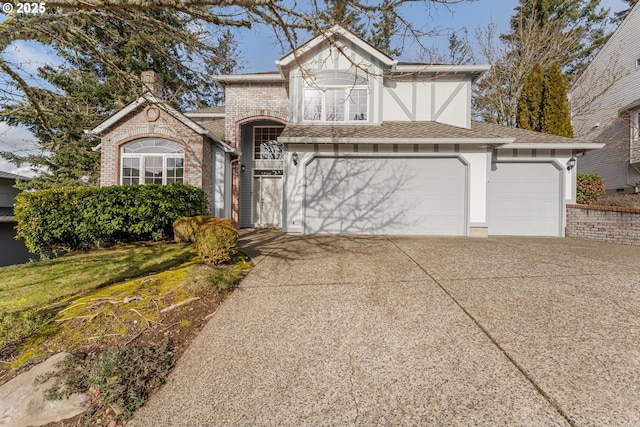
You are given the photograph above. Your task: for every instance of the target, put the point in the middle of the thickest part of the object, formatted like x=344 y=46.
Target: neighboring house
x=12 y=251
x=344 y=139
x=605 y=105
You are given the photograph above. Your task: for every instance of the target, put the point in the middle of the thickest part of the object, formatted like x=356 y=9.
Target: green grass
x=43 y=283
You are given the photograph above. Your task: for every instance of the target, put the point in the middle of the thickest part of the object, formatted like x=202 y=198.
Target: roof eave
x=401 y=141
x=291 y=57
x=475 y=71
x=224 y=79
x=554 y=145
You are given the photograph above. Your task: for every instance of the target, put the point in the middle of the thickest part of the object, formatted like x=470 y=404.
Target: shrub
x=185 y=229
x=589 y=188
x=72 y=218
x=123 y=377
x=217 y=241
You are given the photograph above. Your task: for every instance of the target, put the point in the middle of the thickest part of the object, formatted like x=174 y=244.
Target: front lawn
x=42 y=283
x=130 y=299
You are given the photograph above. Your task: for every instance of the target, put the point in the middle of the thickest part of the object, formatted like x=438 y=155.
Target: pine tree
x=556 y=119
x=82 y=92
x=340 y=12
x=586 y=20
x=529 y=114
x=618 y=17
x=384 y=29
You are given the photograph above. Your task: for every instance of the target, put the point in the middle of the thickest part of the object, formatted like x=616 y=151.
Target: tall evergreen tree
x=529 y=115
x=618 y=17
x=556 y=119
x=384 y=29
x=83 y=92
x=341 y=12
x=586 y=20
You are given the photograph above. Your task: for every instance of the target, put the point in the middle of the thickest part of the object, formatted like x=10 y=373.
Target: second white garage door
x=525 y=199
x=388 y=195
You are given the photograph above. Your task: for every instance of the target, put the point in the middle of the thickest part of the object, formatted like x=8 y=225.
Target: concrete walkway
x=338 y=330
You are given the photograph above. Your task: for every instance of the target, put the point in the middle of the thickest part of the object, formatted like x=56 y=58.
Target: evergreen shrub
x=73 y=218
x=216 y=239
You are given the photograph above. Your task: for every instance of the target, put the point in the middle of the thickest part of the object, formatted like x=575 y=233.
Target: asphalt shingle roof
x=421 y=129
x=215 y=126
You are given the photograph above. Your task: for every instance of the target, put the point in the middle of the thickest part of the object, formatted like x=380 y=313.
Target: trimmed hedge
x=589 y=188
x=216 y=239
x=73 y=218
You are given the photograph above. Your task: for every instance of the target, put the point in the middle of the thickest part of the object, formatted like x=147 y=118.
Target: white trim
x=247 y=78
x=335 y=30
x=554 y=146
x=501 y=142
x=475 y=71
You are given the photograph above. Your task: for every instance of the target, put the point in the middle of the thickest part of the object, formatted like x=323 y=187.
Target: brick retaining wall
x=604 y=223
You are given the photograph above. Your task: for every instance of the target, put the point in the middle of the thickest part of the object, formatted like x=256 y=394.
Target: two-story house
x=606 y=108
x=344 y=139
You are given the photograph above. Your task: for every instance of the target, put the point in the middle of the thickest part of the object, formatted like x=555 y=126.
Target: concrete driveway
x=339 y=330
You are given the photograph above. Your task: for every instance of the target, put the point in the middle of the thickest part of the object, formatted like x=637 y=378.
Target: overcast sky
x=260 y=50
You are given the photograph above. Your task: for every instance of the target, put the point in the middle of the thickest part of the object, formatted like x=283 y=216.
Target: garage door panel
x=524 y=199
x=385 y=196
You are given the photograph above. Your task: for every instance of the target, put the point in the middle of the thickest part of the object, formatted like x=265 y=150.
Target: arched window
x=336 y=96
x=151 y=161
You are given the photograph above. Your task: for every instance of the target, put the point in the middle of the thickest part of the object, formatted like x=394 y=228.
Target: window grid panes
x=265 y=144
x=312 y=104
x=336 y=96
x=130 y=171
x=153 y=170
x=175 y=170
x=358 y=104
x=152 y=161
x=335 y=105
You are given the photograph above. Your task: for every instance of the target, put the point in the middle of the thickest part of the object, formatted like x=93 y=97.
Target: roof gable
x=145 y=99
x=332 y=33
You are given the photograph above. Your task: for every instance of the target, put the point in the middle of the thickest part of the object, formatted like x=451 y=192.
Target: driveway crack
x=495 y=342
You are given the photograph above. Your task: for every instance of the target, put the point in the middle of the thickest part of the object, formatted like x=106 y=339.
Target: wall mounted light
x=242 y=168
x=295 y=158
x=571 y=163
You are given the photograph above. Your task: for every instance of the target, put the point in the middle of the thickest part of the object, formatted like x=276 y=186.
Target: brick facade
x=151 y=121
x=244 y=101
x=604 y=223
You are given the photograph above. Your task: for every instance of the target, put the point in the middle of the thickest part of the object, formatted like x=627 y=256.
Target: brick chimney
x=152 y=82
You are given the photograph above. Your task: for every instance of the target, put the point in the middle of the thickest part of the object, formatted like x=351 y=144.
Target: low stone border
x=604 y=223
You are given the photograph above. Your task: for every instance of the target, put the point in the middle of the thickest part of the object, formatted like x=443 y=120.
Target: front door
x=267 y=198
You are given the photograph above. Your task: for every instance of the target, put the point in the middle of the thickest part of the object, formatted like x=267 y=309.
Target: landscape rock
x=22 y=401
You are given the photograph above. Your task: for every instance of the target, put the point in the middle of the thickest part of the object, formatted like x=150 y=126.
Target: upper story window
x=151 y=161
x=265 y=144
x=336 y=96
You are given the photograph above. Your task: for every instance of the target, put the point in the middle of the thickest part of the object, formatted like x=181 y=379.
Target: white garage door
x=388 y=195
x=524 y=199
